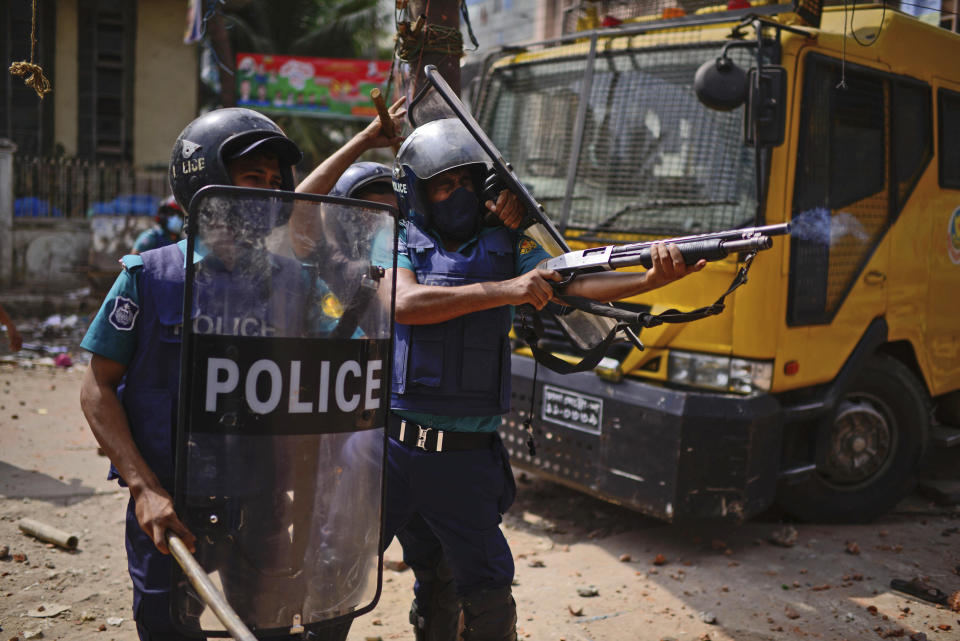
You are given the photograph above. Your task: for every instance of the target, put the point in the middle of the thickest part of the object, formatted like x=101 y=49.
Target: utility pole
x=221 y=45
x=435 y=26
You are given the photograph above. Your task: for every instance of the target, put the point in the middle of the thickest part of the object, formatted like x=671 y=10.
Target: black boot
x=490 y=615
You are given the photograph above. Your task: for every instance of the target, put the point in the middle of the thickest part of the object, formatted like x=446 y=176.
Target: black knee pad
x=436 y=618
x=490 y=615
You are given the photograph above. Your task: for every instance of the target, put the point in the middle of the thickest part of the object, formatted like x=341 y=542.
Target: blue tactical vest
x=150 y=390
x=460 y=367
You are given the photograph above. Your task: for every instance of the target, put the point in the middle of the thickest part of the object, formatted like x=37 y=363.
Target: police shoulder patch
x=527 y=245
x=124 y=314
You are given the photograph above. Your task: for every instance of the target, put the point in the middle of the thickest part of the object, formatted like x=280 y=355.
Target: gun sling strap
x=532 y=332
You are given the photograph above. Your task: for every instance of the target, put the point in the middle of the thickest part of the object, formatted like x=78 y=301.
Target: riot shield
x=435 y=101
x=283 y=405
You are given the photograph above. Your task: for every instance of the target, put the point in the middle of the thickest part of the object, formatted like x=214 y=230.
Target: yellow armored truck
x=837 y=366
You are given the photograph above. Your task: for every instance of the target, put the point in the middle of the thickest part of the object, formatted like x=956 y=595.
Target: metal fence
x=62 y=187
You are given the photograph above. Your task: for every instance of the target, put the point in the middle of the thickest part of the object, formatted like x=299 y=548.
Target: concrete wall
x=165 y=81
x=50 y=255
x=64 y=92
x=7 y=150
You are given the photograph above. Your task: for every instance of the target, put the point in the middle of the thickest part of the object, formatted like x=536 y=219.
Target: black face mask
x=458 y=216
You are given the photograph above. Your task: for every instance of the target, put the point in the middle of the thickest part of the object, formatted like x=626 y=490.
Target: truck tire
x=868 y=450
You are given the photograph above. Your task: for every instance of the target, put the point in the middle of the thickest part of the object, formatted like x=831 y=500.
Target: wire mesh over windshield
x=652 y=159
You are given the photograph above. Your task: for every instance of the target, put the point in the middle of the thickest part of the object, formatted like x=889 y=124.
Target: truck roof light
x=673 y=12
x=733 y=5
x=791 y=367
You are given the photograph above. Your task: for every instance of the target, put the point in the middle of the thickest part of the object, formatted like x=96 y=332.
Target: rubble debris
x=114 y=621
x=33 y=634
x=588 y=591
x=396 y=566
x=919 y=588
x=48 y=533
x=625 y=558
x=784 y=537
x=577 y=613
x=4 y=551
x=852 y=547
x=708 y=617
x=659 y=560
x=790 y=612
x=46 y=610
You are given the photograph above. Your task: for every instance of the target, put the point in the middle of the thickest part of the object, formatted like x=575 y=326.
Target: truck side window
x=859 y=129
x=949 y=103
x=912 y=135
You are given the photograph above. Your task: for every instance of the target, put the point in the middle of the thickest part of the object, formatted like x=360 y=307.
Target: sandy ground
x=718 y=581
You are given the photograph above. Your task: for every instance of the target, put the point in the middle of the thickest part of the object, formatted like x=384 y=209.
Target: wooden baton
x=386 y=122
x=207 y=591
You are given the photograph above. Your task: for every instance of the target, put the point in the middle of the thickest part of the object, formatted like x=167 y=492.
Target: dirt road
x=586 y=570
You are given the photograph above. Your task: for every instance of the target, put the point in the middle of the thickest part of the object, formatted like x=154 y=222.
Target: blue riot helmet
x=430 y=149
x=360 y=177
x=201 y=152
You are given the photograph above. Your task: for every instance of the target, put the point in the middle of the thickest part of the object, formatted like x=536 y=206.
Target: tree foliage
x=316 y=28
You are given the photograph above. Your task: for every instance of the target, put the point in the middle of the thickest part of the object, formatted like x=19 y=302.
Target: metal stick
x=211 y=596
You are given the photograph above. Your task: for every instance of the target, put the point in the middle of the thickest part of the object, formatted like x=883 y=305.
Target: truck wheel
x=868 y=451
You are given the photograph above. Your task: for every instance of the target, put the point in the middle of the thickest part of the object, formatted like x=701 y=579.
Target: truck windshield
x=653 y=160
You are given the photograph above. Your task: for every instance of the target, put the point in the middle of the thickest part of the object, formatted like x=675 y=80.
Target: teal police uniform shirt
x=527 y=255
x=152 y=238
x=111 y=333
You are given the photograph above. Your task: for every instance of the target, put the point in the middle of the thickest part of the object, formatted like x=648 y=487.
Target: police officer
x=461 y=266
x=166 y=231
x=129 y=392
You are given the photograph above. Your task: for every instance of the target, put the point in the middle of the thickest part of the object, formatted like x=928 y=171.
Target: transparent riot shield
x=284 y=398
x=436 y=101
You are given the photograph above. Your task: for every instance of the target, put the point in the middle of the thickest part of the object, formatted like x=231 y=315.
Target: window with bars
x=24 y=117
x=106 y=39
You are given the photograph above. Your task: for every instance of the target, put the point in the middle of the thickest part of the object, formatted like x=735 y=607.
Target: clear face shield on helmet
x=436 y=101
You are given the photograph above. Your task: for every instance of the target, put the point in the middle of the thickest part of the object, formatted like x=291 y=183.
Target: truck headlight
x=719 y=372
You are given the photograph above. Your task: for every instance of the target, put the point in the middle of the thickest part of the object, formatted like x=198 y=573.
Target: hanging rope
x=36 y=79
x=413 y=40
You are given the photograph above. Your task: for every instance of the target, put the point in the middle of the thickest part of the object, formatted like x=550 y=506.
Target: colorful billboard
x=320 y=87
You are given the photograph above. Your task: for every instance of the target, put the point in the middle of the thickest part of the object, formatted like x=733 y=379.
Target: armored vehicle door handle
x=874 y=277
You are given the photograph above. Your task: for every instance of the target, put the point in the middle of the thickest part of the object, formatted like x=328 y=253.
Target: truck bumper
x=672 y=454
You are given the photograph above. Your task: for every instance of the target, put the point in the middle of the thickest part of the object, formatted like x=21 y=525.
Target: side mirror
x=720 y=84
x=766 y=105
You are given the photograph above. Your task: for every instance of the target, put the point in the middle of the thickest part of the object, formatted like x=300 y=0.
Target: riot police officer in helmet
x=448 y=474
x=167 y=228
x=130 y=390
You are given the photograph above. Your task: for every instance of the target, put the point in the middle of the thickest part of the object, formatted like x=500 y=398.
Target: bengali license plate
x=572 y=409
